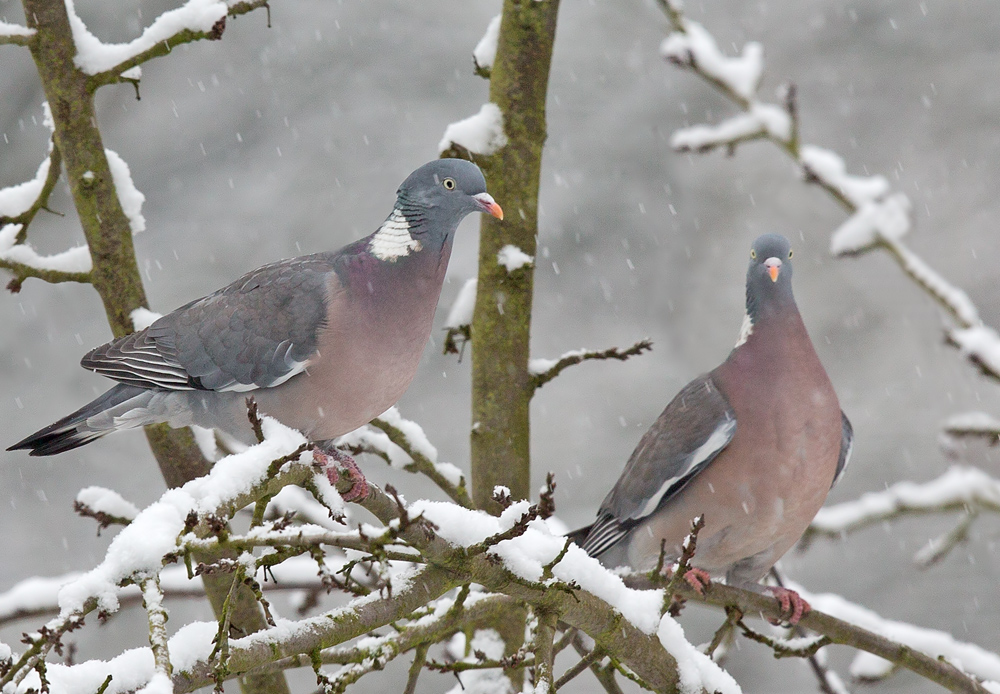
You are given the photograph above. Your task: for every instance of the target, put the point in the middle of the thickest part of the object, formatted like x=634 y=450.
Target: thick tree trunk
x=501 y=329
x=115 y=274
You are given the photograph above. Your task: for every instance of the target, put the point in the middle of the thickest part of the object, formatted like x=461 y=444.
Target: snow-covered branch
x=926 y=652
x=15 y=34
x=964 y=489
x=879 y=218
x=196 y=20
x=544 y=370
x=403 y=444
x=24 y=262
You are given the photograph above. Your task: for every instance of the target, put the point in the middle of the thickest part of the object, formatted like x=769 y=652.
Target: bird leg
x=793 y=605
x=335 y=461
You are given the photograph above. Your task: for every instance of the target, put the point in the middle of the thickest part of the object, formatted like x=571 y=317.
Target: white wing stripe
x=716 y=442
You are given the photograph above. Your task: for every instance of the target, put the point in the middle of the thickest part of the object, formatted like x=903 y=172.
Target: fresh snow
x=513 y=258
x=980 y=341
x=128 y=195
x=970 y=658
x=486 y=50
x=8 y=29
x=480 y=134
x=93 y=56
x=140 y=546
x=540 y=365
x=958 y=485
x=972 y=423
x=742 y=75
x=761 y=119
x=75 y=259
x=887 y=219
x=954 y=297
x=464 y=306
x=142 y=318
x=414 y=433
x=107 y=501
x=830 y=167
x=696 y=671
x=17 y=199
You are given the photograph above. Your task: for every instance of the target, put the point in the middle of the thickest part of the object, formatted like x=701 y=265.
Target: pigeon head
x=447 y=190
x=430 y=203
x=769 y=277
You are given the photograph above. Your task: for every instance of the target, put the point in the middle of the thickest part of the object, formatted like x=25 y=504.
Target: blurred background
x=277 y=142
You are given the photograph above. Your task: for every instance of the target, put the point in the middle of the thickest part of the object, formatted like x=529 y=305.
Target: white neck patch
x=746 y=330
x=393 y=239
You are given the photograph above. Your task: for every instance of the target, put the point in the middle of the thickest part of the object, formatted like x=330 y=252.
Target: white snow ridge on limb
x=76 y=259
x=887 y=219
x=128 y=195
x=93 y=56
x=979 y=342
x=762 y=120
x=479 y=134
x=8 y=29
x=486 y=50
x=464 y=306
x=695 y=46
x=830 y=168
x=513 y=258
x=103 y=500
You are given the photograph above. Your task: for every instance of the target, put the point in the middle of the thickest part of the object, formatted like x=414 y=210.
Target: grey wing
x=255 y=333
x=846 y=447
x=693 y=429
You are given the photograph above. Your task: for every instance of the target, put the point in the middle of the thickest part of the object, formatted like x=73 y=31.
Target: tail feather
x=77 y=429
x=579 y=535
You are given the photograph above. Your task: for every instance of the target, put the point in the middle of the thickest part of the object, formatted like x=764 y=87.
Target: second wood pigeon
x=324 y=342
x=754 y=446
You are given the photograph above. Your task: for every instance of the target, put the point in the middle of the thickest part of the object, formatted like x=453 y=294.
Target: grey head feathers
x=430 y=204
x=769 y=276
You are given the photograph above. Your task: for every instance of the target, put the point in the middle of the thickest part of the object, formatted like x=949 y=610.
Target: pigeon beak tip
x=489 y=205
x=773 y=272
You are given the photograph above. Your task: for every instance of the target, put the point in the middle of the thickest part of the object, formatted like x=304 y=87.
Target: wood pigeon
x=324 y=343
x=754 y=446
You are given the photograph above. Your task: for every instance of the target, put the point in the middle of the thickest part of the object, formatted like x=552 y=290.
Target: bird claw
x=335 y=461
x=793 y=605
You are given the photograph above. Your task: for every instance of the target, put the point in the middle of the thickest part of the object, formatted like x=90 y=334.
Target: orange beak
x=489 y=205
x=773 y=272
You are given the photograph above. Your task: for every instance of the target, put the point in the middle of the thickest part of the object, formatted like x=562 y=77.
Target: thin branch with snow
x=544 y=370
x=964 y=489
x=15 y=34
x=196 y=20
x=878 y=217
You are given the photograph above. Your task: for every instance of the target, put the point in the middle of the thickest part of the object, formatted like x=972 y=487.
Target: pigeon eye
x=753 y=253
x=449 y=183
x=789 y=254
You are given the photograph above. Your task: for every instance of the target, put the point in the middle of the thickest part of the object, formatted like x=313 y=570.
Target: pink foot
x=792 y=604
x=698 y=579
x=334 y=461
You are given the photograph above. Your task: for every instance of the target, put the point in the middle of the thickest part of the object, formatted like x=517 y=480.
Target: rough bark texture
x=501 y=385
x=115 y=275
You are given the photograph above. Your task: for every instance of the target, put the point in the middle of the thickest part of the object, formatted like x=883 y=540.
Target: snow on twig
x=479 y=134
x=513 y=258
x=978 y=424
x=959 y=488
x=93 y=56
x=128 y=195
x=486 y=50
x=15 y=34
x=878 y=217
x=403 y=444
x=544 y=370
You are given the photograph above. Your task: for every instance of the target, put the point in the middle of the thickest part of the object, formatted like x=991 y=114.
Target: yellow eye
x=753 y=253
x=449 y=183
x=789 y=254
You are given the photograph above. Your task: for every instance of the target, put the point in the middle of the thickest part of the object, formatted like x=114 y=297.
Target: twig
x=542 y=647
x=20 y=39
x=583 y=664
x=152 y=600
x=733 y=616
x=23 y=272
x=949 y=297
x=42 y=201
x=541 y=378
x=165 y=46
x=422 y=464
x=419 y=658
x=605 y=674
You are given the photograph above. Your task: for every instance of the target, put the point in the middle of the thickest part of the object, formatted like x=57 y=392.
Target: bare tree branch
x=544 y=370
